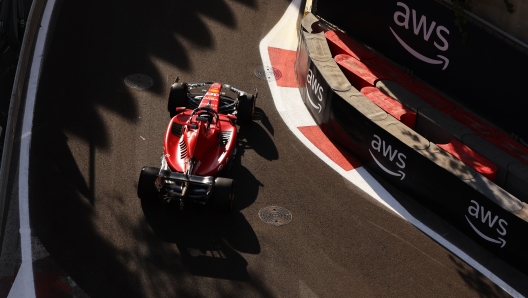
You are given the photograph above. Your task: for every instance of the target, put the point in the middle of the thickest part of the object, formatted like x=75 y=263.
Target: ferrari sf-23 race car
x=200 y=144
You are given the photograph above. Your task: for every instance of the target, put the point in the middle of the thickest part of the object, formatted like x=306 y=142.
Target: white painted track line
x=289 y=104
x=24 y=285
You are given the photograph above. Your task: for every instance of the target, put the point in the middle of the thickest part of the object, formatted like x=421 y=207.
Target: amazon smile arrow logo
x=318 y=106
x=398 y=174
x=499 y=240
x=443 y=59
x=488 y=219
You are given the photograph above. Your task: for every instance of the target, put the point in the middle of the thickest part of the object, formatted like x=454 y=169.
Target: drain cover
x=139 y=81
x=268 y=73
x=275 y=215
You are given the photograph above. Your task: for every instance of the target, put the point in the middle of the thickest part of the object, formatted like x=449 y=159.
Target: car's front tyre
x=177 y=97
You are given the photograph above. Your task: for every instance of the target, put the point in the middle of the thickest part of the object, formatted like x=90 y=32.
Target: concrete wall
x=495 y=13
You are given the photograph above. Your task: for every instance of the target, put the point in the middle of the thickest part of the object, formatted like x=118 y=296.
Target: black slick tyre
x=224 y=194
x=246 y=108
x=146 y=189
x=177 y=97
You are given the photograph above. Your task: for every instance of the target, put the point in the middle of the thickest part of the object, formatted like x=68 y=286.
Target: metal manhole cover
x=139 y=81
x=268 y=73
x=275 y=215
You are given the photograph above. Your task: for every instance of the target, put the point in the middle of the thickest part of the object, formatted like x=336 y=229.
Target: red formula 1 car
x=200 y=144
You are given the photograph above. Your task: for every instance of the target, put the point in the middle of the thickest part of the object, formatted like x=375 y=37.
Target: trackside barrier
x=420 y=36
x=391 y=106
x=432 y=97
x=517 y=180
x=357 y=73
x=401 y=94
x=439 y=120
x=340 y=43
x=454 y=146
x=507 y=144
x=16 y=102
x=440 y=128
x=482 y=165
x=470 y=202
x=386 y=71
x=477 y=125
x=503 y=160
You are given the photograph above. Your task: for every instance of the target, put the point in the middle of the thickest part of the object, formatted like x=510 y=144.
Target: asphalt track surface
x=92 y=135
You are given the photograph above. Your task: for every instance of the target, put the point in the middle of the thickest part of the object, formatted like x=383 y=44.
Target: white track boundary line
x=359 y=177
x=24 y=285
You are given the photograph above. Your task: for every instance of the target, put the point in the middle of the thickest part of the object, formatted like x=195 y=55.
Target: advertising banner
x=315 y=90
x=477 y=207
x=454 y=191
x=483 y=73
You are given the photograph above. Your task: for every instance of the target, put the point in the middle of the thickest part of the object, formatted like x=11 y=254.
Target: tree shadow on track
x=209 y=242
x=91 y=131
x=54 y=148
x=474 y=280
x=254 y=137
x=87 y=61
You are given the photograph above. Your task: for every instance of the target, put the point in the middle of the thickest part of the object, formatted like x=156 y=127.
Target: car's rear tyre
x=224 y=194
x=146 y=188
x=246 y=108
x=177 y=97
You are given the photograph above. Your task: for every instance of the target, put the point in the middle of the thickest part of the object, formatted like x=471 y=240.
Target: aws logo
x=487 y=219
x=317 y=90
x=390 y=154
x=408 y=19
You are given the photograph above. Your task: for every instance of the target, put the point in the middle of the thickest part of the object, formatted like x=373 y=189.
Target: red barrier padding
x=431 y=97
x=471 y=158
x=511 y=146
x=482 y=128
x=340 y=43
x=384 y=70
x=391 y=106
x=356 y=72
